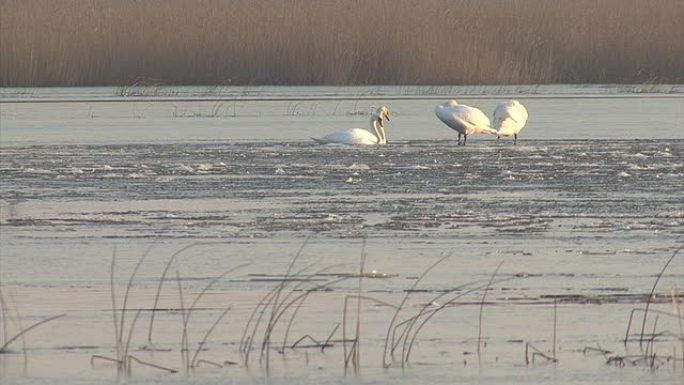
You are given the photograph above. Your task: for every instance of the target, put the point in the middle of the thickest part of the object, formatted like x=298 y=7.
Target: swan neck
x=379 y=131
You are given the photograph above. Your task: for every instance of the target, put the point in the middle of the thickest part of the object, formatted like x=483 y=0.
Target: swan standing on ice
x=359 y=135
x=464 y=119
x=509 y=118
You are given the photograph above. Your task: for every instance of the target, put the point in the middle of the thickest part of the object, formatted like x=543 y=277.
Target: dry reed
x=187 y=313
x=650 y=311
x=536 y=353
x=303 y=42
x=123 y=359
x=426 y=313
x=161 y=283
x=651 y=295
x=482 y=303
x=300 y=300
x=3 y=347
x=385 y=361
x=677 y=307
x=280 y=300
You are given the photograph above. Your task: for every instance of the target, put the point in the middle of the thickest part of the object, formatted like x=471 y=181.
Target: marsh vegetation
x=295 y=42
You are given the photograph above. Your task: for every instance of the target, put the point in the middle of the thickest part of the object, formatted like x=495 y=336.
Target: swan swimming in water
x=509 y=118
x=464 y=119
x=360 y=136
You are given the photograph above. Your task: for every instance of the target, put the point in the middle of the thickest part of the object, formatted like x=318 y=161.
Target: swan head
x=382 y=113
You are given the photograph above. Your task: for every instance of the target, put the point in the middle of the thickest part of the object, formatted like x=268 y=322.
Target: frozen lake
x=582 y=215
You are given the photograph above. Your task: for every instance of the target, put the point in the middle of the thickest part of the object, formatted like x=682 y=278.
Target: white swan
x=360 y=136
x=509 y=118
x=464 y=119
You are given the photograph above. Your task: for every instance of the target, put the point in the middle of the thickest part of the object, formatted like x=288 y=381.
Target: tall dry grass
x=108 y=42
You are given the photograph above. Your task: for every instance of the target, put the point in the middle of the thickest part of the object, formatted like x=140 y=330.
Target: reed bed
x=276 y=311
x=344 y=42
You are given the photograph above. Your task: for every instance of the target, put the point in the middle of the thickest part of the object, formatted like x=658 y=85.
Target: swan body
x=509 y=118
x=464 y=119
x=359 y=136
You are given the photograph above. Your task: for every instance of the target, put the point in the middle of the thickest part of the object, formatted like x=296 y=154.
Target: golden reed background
x=342 y=42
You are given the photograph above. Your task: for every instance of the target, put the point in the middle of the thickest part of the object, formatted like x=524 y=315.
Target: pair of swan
x=509 y=118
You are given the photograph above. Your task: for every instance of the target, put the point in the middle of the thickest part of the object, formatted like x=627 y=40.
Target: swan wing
x=464 y=119
x=473 y=116
x=519 y=113
x=511 y=109
x=474 y=119
x=451 y=117
x=351 y=136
